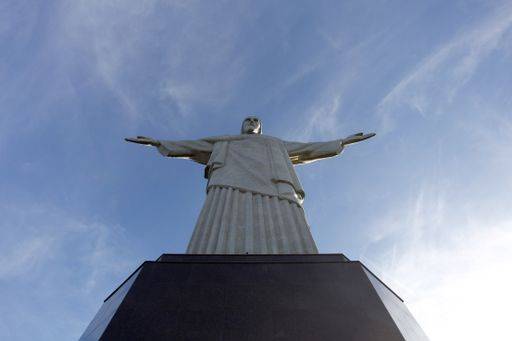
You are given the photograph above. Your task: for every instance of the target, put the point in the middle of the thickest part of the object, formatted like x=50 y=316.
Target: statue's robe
x=254 y=198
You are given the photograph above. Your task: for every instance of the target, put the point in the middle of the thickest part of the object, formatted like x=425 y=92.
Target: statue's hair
x=260 y=131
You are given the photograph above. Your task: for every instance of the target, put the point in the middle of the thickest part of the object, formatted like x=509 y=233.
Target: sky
x=426 y=204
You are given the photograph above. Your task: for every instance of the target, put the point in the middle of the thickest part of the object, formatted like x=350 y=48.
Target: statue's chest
x=250 y=147
x=258 y=149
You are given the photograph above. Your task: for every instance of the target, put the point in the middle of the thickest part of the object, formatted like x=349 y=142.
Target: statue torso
x=255 y=163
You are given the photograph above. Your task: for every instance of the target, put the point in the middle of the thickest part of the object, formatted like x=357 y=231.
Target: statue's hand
x=143 y=140
x=357 y=138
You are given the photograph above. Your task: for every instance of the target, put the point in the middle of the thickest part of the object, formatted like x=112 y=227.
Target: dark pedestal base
x=253 y=297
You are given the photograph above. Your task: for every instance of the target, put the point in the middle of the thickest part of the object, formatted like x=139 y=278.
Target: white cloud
x=461 y=290
x=453 y=272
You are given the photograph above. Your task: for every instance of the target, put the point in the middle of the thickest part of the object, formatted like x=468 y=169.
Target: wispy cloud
x=432 y=85
x=492 y=138
x=24 y=256
x=173 y=56
x=323 y=118
x=47 y=256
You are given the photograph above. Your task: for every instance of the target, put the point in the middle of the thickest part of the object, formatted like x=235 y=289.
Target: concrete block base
x=253 y=297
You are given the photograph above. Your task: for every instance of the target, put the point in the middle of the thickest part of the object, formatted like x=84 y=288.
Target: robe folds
x=254 y=198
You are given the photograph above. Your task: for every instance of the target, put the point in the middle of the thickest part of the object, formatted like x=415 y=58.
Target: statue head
x=251 y=125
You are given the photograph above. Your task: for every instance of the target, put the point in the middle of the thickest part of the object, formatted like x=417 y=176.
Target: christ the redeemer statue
x=254 y=198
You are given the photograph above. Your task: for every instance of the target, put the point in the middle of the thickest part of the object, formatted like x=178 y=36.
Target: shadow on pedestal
x=253 y=297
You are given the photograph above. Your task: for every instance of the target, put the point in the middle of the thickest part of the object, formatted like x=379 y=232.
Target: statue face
x=251 y=125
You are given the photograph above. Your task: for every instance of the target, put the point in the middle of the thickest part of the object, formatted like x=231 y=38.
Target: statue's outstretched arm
x=305 y=152
x=196 y=150
x=356 y=138
x=143 y=140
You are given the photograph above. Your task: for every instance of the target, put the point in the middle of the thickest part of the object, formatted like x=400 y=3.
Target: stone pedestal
x=253 y=297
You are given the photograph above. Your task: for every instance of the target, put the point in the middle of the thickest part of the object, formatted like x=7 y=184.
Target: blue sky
x=426 y=204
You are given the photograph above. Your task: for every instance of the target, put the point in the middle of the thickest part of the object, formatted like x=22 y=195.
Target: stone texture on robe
x=253 y=194
x=236 y=222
